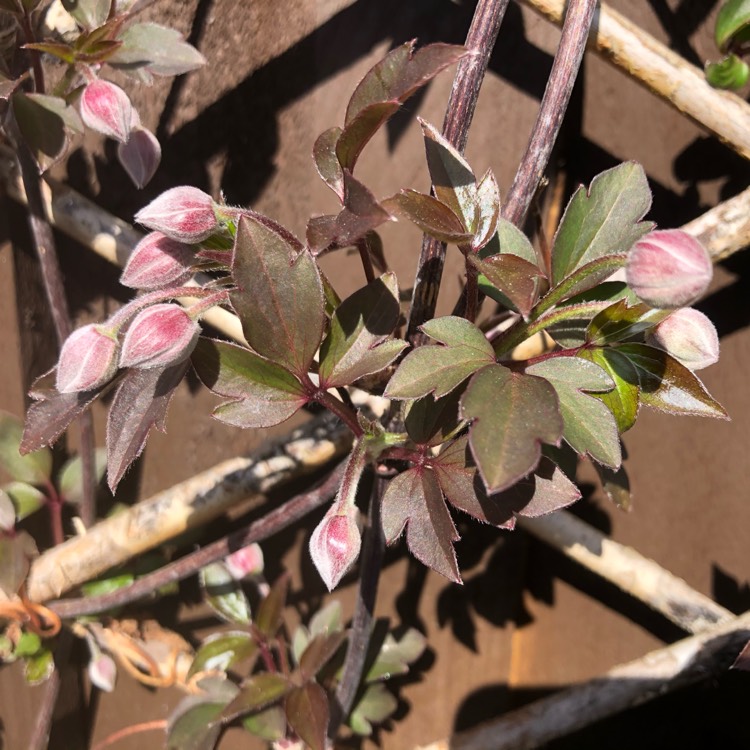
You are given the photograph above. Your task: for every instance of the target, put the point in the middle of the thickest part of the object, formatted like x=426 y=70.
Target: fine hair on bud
x=88 y=359
x=106 y=108
x=183 y=213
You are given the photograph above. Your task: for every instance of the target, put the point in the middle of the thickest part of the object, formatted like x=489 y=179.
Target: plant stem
x=345 y=413
x=364 y=254
x=270 y=524
x=552 y=110
x=359 y=638
x=36 y=58
x=121 y=734
x=483 y=31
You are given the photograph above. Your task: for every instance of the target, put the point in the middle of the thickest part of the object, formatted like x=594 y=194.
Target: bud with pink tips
x=106 y=108
x=158 y=261
x=140 y=155
x=689 y=336
x=159 y=336
x=185 y=214
x=668 y=269
x=88 y=359
x=247 y=561
x=335 y=544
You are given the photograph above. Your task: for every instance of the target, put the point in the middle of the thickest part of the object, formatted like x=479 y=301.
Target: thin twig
x=659 y=672
x=121 y=734
x=627 y=569
x=485 y=26
x=665 y=73
x=575 y=32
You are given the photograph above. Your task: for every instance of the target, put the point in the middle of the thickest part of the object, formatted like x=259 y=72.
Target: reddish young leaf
x=414 y=500
x=517 y=279
x=307 y=712
x=140 y=403
x=271 y=610
x=326 y=161
x=279 y=296
x=429 y=214
x=319 y=652
x=258 y=691
x=360 y=130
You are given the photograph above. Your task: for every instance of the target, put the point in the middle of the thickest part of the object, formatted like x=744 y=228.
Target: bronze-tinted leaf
x=271 y=610
x=259 y=691
x=326 y=161
x=307 y=712
x=319 y=652
x=519 y=281
x=429 y=214
x=220 y=651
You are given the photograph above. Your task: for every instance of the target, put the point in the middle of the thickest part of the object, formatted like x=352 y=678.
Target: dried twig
x=628 y=570
x=655 y=674
x=664 y=73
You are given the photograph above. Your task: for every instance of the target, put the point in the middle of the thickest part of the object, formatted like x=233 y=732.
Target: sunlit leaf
x=732 y=23
x=26 y=498
x=603 y=220
x=39 y=667
x=221 y=651
x=429 y=214
x=88 y=13
x=731 y=72
x=70 y=477
x=307 y=712
x=359 y=330
x=375 y=706
x=509 y=239
x=279 y=296
x=7 y=512
x=621 y=321
x=413 y=500
x=488 y=199
x=519 y=281
x=588 y=425
x=616 y=486
x=32 y=468
x=396 y=655
x=319 y=651
x=28 y=644
x=107 y=585
x=161 y=50
x=224 y=594
x=462 y=350
x=258 y=692
x=326 y=161
x=506 y=439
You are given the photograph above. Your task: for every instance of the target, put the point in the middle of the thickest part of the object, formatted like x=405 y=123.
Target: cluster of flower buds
x=335 y=544
x=107 y=109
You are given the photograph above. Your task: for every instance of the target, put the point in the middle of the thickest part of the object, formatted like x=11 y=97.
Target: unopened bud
x=157 y=261
x=184 y=213
x=103 y=672
x=668 y=269
x=334 y=546
x=245 y=562
x=159 y=336
x=140 y=156
x=689 y=336
x=88 y=359
x=107 y=109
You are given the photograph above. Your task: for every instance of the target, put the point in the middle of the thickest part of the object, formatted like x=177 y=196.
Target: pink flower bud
x=183 y=213
x=159 y=336
x=334 y=546
x=245 y=562
x=668 y=269
x=107 y=109
x=689 y=336
x=156 y=262
x=140 y=156
x=88 y=359
x=103 y=672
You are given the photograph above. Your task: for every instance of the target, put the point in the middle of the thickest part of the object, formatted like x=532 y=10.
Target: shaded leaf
x=429 y=214
x=439 y=369
x=25 y=498
x=258 y=692
x=279 y=296
x=506 y=440
x=266 y=393
x=616 y=486
x=429 y=420
x=307 y=712
x=269 y=724
x=32 y=468
x=107 y=585
x=43 y=130
x=220 y=651
x=39 y=667
x=224 y=594
x=319 y=652
x=622 y=401
x=668 y=385
x=70 y=476
x=161 y=50
x=519 y=281
x=358 y=333
x=509 y=239
x=16 y=554
x=140 y=403
x=732 y=23
x=413 y=500
x=603 y=220
x=271 y=610
x=588 y=425
x=358 y=132
x=620 y=321
x=326 y=161
x=194 y=727
x=8 y=85
x=375 y=706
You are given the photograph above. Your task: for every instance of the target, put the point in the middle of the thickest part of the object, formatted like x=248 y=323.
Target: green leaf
x=265 y=393
x=429 y=214
x=326 y=161
x=731 y=72
x=395 y=656
x=326 y=620
x=26 y=498
x=28 y=644
x=358 y=132
x=603 y=220
x=429 y=421
x=107 y=585
x=271 y=610
x=39 y=667
x=193 y=726
x=161 y=50
x=307 y=712
x=32 y=468
x=269 y=724
x=59 y=50
x=258 y=692
x=88 y=13
x=413 y=500
x=318 y=653
x=622 y=401
x=279 y=296
x=70 y=477
x=668 y=385
x=359 y=331
x=439 y=369
x=506 y=439
x=220 y=651
x=224 y=595
x=519 y=281
x=588 y=425
x=453 y=180
x=616 y=486
x=509 y=239
x=732 y=23
x=375 y=706
x=620 y=321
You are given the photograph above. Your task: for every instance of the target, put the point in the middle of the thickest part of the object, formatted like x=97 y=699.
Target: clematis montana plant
x=470 y=425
